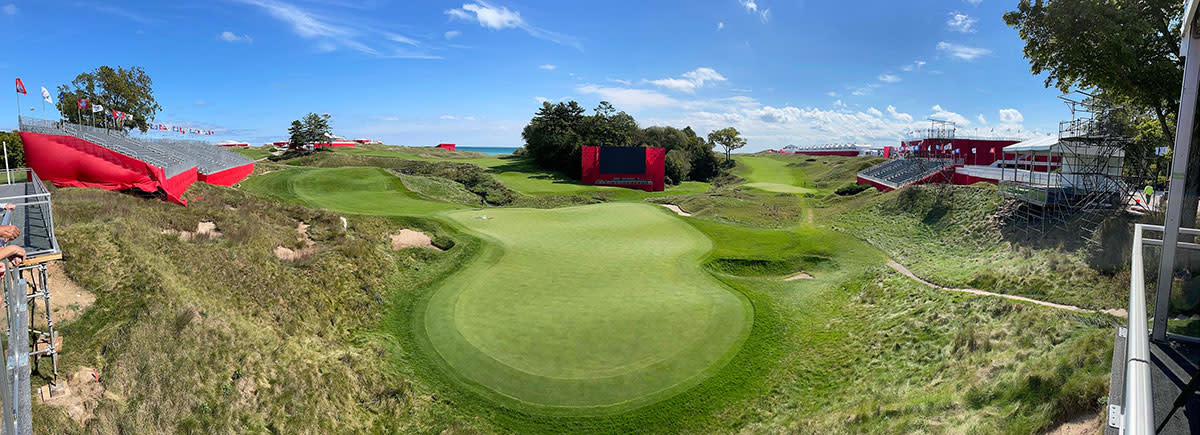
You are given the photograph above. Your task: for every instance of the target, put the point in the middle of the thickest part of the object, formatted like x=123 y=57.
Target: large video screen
x=622 y=160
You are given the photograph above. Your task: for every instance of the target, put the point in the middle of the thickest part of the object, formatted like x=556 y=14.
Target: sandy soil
x=409 y=238
x=78 y=395
x=676 y=209
x=1086 y=424
x=204 y=228
x=310 y=246
x=797 y=276
x=67 y=299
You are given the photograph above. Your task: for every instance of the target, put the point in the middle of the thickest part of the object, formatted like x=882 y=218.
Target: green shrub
x=852 y=189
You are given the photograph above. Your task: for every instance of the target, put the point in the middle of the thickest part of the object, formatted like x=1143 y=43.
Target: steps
x=898 y=173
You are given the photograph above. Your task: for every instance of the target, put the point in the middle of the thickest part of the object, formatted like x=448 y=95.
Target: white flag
x=96 y=108
x=46 y=95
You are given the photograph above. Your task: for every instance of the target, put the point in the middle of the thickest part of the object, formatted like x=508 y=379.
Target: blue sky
x=473 y=72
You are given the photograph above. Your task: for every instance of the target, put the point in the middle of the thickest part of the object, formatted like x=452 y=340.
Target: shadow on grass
x=529 y=169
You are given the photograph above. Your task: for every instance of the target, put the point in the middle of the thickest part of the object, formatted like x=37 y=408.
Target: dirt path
x=904 y=270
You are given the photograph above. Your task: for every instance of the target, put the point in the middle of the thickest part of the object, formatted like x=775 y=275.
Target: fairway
x=771 y=174
x=363 y=190
x=584 y=310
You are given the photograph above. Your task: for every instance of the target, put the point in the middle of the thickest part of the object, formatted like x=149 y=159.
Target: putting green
x=357 y=190
x=583 y=310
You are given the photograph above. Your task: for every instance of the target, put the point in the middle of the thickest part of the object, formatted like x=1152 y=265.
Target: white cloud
x=839 y=103
x=961 y=51
x=974 y=2
x=889 y=78
x=402 y=39
x=832 y=94
x=329 y=34
x=691 y=80
x=982 y=120
x=202 y=103
x=228 y=36
x=861 y=92
x=916 y=65
x=900 y=116
x=9 y=9
x=541 y=99
x=752 y=7
x=452 y=34
x=447 y=117
x=547 y=67
x=628 y=97
x=946 y=115
x=874 y=111
x=624 y=82
x=720 y=25
x=500 y=18
x=1011 y=116
x=960 y=22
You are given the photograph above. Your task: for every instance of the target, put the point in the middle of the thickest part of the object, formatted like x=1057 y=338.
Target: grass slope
x=949 y=235
x=357 y=190
x=595 y=309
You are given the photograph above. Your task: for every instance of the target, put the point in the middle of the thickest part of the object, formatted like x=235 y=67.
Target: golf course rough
x=583 y=310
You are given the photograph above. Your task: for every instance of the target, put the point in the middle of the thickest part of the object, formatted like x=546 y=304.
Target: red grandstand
x=447 y=146
x=81 y=156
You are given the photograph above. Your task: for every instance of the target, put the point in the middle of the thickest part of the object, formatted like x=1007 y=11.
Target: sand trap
x=78 y=395
x=676 y=209
x=310 y=246
x=204 y=228
x=797 y=276
x=409 y=238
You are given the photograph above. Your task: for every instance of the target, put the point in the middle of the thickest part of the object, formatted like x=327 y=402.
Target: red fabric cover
x=229 y=176
x=887 y=152
x=656 y=159
x=881 y=187
x=74 y=162
x=446 y=146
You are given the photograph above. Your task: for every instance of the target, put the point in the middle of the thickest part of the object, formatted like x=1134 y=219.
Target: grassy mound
x=950 y=235
x=357 y=190
x=588 y=309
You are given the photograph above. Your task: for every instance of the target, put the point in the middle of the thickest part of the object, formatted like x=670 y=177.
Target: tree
x=309 y=130
x=1126 y=49
x=555 y=135
x=728 y=138
x=677 y=166
x=610 y=128
x=16 y=151
x=126 y=90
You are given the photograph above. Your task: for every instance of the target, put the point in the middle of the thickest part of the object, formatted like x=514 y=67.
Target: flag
x=20 y=87
x=83 y=103
x=96 y=108
x=46 y=95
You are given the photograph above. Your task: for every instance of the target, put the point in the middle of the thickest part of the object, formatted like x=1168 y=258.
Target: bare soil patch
x=408 y=238
x=67 y=299
x=1091 y=423
x=204 y=229
x=676 y=209
x=310 y=246
x=78 y=396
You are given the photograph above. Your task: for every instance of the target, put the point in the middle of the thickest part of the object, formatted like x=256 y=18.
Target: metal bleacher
x=173 y=156
x=207 y=157
x=898 y=173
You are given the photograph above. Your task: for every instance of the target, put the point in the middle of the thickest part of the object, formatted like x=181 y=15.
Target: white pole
x=6 y=172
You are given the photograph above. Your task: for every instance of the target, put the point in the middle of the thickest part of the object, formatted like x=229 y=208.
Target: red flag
x=21 y=87
x=83 y=103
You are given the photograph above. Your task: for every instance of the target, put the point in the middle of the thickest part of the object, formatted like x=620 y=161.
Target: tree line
x=556 y=135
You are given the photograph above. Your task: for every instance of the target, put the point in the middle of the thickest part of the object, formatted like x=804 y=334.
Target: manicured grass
x=359 y=190
x=771 y=174
x=253 y=152
x=592 y=309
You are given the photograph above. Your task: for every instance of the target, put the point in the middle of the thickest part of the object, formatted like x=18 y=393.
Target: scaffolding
x=27 y=297
x=1073 y=181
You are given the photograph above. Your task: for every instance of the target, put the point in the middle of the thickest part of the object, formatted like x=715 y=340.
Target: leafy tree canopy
x=126 y=90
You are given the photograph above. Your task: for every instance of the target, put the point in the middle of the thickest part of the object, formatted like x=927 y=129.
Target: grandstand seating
x=898 y=173
x=78 y=155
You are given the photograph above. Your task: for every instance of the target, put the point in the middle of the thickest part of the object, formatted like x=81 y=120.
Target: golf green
x=583 y=310
x=771 y=174
x=358 y=190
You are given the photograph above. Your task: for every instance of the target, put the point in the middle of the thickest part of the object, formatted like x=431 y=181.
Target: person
x=8 y=232
x=1148 y=193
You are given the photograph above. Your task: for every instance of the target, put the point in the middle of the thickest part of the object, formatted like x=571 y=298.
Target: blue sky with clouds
x=473 y=72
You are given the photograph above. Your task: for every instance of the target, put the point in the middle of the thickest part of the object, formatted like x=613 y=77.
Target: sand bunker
x=409 y=238
x=797 y=276
x=207 y=229
x=676 y=209
x=310 y=246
